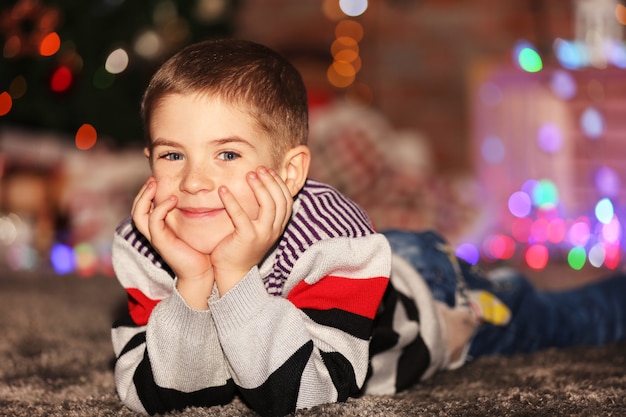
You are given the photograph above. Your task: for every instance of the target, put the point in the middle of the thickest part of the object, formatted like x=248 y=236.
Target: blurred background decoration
x=498 y=123
x=68 y=62
x=71 y=78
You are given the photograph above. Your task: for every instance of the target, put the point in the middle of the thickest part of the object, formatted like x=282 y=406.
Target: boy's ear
x=295 y=169
x=146 y=153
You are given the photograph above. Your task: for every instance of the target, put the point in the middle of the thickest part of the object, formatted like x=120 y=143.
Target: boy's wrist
x=229 y=278
x=196 y=293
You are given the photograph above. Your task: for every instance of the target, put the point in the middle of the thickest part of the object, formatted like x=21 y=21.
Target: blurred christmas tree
x=65 y=63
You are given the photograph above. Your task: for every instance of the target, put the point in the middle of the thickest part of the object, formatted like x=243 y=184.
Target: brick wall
x=416 y=54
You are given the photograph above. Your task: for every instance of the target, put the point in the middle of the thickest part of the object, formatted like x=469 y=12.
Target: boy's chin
x=203 y=246
x=198 y=242
x=199 y=239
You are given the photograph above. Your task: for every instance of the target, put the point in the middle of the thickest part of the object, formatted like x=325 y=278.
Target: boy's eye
x=172 y=156
x=228 y=156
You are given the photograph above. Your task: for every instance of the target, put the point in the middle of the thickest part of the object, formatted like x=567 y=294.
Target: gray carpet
x=56 y=357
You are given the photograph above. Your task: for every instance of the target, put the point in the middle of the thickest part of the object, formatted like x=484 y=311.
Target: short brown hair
x=240 y=72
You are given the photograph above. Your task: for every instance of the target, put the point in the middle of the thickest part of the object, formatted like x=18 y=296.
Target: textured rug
x=56 y=360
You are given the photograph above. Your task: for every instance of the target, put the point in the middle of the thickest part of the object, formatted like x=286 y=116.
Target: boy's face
x=199 y=143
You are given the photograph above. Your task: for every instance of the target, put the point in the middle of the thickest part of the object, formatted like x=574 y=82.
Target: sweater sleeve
x=312 y=346
x=168 y=355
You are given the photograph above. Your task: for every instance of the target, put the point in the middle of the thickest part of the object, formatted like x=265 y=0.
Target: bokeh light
x=534 y=219
x=9 y=229
x=549 y=138
x=148 y=45
x=617 y=54
x=604 y=211
x=620 y=13
x=12 y=47
x=527 y=57
x=86 y=259
x=520 y=229
x=86 y=137
x=612 y=256
x=346 y=61
x=557 y=230
x=529 y=186
x=611 y=232
x=6 y=103
x=545 y=194
x=18 y=87
x=537 y=256
x=539 y=230
x=343 y=43
x=576 y=258
x=563 y=84
x=607 y=182
x=520 y=204
x=579 y=232
x=338 y=80
x=349 y=28
x=353 y=7
x=62 y=259
x=592 y=123
x=331 y=10
x=468 y=253
x=498 y=247
x=597 y=255
x=103 y=79
x=50 y=44
x=117 y=61
x=61 y=79
x=569 y=54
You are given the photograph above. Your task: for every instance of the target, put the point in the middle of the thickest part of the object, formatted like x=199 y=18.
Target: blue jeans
x=594 y=314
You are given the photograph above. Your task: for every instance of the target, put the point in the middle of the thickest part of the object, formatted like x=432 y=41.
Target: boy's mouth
x=200 y=212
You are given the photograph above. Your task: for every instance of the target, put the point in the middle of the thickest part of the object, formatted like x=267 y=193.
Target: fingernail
x=262 y=170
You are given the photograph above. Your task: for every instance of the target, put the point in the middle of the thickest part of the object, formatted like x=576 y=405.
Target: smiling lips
x=202 y=212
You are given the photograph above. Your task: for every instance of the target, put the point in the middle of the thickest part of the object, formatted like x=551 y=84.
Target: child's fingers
x=274 y=198
x=143 y=199
x=159 y=213
x=282 y=194
x=159 y=231
x=261 y=183
x=142 y=205
x=237 y=215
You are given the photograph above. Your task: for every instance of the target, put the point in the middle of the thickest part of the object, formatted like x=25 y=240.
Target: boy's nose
x=197 y=179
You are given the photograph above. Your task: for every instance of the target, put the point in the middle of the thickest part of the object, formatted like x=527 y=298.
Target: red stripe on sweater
x=140 y=306
x=358 y=296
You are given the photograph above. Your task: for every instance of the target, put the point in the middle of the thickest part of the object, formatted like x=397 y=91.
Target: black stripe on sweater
x=342 y=374
x=353 y=324
x=158 y=400
x=135 y=341
x=415 y=357
x=278 y=395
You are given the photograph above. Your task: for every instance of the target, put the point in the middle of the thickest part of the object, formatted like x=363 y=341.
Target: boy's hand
x=193 y=269
x=252 y=238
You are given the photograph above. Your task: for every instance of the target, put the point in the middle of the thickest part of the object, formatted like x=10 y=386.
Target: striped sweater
x=316 y=322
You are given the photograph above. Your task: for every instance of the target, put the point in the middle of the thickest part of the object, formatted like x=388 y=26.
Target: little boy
x=246 y=278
